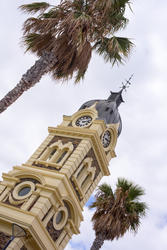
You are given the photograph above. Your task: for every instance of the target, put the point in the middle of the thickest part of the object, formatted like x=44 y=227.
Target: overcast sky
x=141 y=147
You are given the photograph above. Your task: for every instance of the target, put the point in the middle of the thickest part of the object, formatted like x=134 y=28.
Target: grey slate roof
x=108 y=109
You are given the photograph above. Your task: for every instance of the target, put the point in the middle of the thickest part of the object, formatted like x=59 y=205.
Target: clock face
x=106 y=139
x=83 y=121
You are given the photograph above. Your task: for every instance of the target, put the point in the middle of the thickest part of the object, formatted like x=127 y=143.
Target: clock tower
x=45 y=195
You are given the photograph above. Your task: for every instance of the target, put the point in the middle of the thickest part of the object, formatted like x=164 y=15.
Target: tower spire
x=126 y=84
x=117 y=96
x=108 y=109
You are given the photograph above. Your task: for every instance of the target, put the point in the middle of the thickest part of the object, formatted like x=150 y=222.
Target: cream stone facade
x=46 y=195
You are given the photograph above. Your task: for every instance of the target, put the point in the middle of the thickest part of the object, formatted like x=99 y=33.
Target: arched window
x=51 y=154
x=83 y=177
x=62 y=156
x=56 y=154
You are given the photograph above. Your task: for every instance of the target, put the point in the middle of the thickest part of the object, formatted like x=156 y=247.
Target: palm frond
x=140 y=208
x=124 y=184
x=52 y=13
x=83 y=58
x=80 y=75
x=135 y=192
x=30 y=40
x=122 y=3
x=35 y=25
x=134 y=224
x=114 y=49
x=106 y=189
x=37 y=43
x=117 y=21
x=104 y=197
x=34 y=7
x=98 y=203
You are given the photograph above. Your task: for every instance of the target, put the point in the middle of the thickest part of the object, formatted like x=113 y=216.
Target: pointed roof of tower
x=116 y=97
x=108 y=109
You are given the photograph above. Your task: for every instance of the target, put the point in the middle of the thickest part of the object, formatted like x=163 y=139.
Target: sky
x=141 y=147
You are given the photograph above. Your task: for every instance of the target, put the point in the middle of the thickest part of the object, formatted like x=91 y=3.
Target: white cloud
x=141 y=148
x=86 y=235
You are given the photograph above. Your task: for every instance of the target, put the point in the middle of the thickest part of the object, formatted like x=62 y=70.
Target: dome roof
x=108 y=109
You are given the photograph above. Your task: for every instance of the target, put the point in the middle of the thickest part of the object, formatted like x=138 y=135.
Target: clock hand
x=106 y=139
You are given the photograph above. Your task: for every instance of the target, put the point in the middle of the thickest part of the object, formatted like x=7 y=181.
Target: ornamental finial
x=126 y=84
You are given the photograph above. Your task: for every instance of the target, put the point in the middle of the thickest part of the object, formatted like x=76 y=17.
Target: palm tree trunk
x=98 y=242
x=42 y=66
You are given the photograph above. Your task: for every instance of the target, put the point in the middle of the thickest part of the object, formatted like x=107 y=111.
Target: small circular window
x=23 y=190
x=60 y=218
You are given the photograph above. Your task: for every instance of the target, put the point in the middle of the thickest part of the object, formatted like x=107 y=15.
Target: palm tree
x=116 y=212
x=64 y=36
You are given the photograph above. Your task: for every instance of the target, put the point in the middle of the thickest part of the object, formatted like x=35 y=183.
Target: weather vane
x=126 y=84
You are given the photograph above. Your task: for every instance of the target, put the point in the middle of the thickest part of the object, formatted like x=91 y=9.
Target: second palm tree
x=116 y=212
